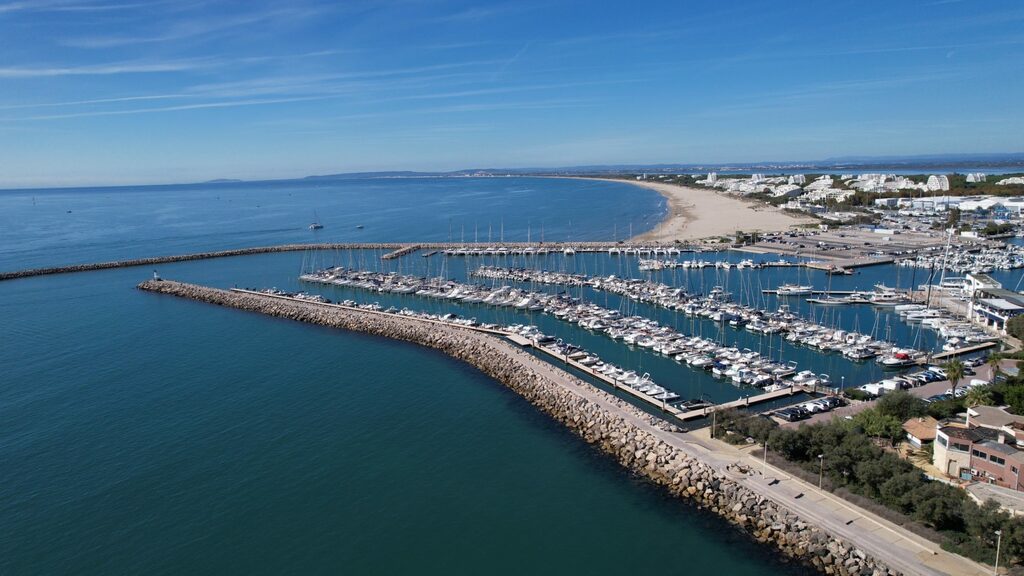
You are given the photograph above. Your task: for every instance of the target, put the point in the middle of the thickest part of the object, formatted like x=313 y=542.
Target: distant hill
x=925 y=163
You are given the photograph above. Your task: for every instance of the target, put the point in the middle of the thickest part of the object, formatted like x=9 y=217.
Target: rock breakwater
x=633 y=437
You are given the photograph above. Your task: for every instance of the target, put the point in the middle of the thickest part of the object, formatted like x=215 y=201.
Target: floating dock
x=683 y=415
x=961 y=351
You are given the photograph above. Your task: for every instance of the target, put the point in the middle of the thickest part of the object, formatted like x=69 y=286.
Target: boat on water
x=794 y=290
x=899 y=359
x=316 y=225
x=828 y=301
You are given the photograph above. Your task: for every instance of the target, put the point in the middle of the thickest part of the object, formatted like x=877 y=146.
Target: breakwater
x=405 y=247
x=641 y=442
x=401 y=252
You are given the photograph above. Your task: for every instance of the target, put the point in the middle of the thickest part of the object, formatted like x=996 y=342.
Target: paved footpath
x=899 y=548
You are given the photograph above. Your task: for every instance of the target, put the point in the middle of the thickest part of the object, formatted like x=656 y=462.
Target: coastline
x=698 y=213
x=649 y=447
x=798 y=519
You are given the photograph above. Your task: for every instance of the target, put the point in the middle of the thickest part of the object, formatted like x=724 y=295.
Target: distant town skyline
x=113 y=92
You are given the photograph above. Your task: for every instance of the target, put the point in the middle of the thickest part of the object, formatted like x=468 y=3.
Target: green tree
x=938 y=505
x=792 y=444
x=978 y=396
x=946 y=408
x=993 y=363
x=875 y=423
x=954 y=372
x=901 y=405
x=952 y=218
x=1015 y=327
x=897 y=492
x=1014 y=398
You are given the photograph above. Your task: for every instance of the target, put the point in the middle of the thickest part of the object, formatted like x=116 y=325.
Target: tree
x=939 y=506
x=993 y=363
x=952 y=218
x=1015 y=327
x=978 y=396
x=880 y=425
x=942 y=409
x=897 y=492
x=791 y=444
x=1014 y=398
x=954 y=372
x=901 y=405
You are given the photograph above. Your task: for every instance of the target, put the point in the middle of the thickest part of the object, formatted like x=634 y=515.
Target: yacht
x=794 y=290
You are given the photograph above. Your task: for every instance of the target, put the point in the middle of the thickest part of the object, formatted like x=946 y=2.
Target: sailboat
x=315 y=225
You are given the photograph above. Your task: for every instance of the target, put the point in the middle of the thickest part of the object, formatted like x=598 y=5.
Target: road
x=897 y=547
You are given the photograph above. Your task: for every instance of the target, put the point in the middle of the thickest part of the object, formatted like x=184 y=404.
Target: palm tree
x=978 y=396
x=993 y=363
x=954 y=372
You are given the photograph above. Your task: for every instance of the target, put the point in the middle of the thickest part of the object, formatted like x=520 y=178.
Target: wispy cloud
x=192 y=28
x=176 y=108
x=92 y=101
x=102 y=69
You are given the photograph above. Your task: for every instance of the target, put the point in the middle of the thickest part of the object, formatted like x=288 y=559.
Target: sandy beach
x=696 y=213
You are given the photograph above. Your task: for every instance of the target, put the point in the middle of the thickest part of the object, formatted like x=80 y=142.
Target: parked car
x=833 y=402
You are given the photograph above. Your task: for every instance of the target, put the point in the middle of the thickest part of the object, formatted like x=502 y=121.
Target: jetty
x=401 y=252
x=962 y=351
x=775 y=513
x=449 y=248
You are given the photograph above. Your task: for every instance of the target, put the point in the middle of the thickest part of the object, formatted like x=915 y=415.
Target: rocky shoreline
x=616 y=427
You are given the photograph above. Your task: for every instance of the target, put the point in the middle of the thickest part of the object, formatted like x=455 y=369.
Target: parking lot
x=931 y=389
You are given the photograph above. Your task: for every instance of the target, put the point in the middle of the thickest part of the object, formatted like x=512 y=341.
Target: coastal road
x=897 y=547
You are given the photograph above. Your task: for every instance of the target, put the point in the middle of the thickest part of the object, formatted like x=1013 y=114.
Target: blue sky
x=127 y=91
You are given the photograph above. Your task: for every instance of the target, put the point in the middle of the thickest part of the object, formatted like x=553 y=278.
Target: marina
x=638 y=387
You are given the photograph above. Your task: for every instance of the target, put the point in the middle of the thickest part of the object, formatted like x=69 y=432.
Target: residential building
x=787 y=190
x=937 y=182
x=921 y=431
x=978 y=453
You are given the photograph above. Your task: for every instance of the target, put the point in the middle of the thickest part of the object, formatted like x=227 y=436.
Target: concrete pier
x=401 y=252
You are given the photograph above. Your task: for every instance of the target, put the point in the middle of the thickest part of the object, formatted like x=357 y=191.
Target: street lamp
x=764 y=463
x=821 y=470
x=999 y=540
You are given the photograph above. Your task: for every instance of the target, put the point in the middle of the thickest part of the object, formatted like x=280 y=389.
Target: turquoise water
x=145 y=434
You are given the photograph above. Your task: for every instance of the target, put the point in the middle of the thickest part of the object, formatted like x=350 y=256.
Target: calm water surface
x=143 y=434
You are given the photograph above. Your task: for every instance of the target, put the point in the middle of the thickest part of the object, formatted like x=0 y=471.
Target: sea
x=147 y=434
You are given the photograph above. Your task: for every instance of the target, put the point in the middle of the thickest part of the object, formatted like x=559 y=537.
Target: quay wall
x=582 y=246
x=616 y=427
